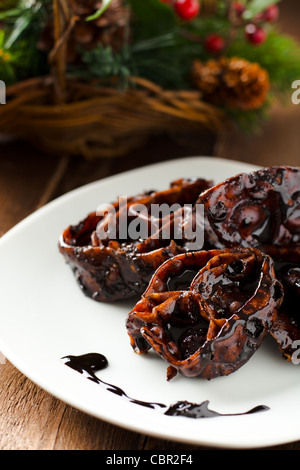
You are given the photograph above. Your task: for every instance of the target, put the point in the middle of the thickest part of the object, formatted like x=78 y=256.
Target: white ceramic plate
x=44 y=316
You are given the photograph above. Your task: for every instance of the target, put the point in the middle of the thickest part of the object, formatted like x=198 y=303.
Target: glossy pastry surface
x=262 y=210
x=223 y=307
x=117 y=266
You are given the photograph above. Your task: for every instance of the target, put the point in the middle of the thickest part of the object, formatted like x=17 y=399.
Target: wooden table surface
x=32 y=419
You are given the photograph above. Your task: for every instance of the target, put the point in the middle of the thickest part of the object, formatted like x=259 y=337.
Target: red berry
x=255 y=34
x=187 y=9
x=239 y=8
x=271 y=13
x=214 y=43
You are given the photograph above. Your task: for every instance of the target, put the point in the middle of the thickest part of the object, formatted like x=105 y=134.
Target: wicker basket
x=61 y=115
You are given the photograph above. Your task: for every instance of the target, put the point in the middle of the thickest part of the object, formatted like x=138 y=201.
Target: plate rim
x=9 y=355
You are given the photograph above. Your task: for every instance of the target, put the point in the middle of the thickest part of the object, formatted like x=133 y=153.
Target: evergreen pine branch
x=22 y=25
x=103 y=63
x=279 y=55
x=162 y=49
x=166 y=60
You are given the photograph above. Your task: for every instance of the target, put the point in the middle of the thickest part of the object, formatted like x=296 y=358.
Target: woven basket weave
x=62 y=115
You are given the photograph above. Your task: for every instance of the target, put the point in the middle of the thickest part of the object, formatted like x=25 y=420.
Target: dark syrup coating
x=89 y=364
x=258 y=210
x=213 y=326
x=262 y=210
x=118 y=268
x=286 y=325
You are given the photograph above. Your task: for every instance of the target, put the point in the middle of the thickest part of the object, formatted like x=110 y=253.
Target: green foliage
x=162 y=48
x=251 y=120
x=165 y=60
x=7 y=72
x=100 y=11
x=152 y=18
x=22 y=26
x=279 y=55
x=255 y=7
x=104 y=63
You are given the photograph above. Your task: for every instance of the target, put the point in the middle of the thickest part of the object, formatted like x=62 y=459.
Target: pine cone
x=108 y=29
x=232 y=82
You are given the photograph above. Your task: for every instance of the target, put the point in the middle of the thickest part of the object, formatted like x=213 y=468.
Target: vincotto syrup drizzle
x=89 y=364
